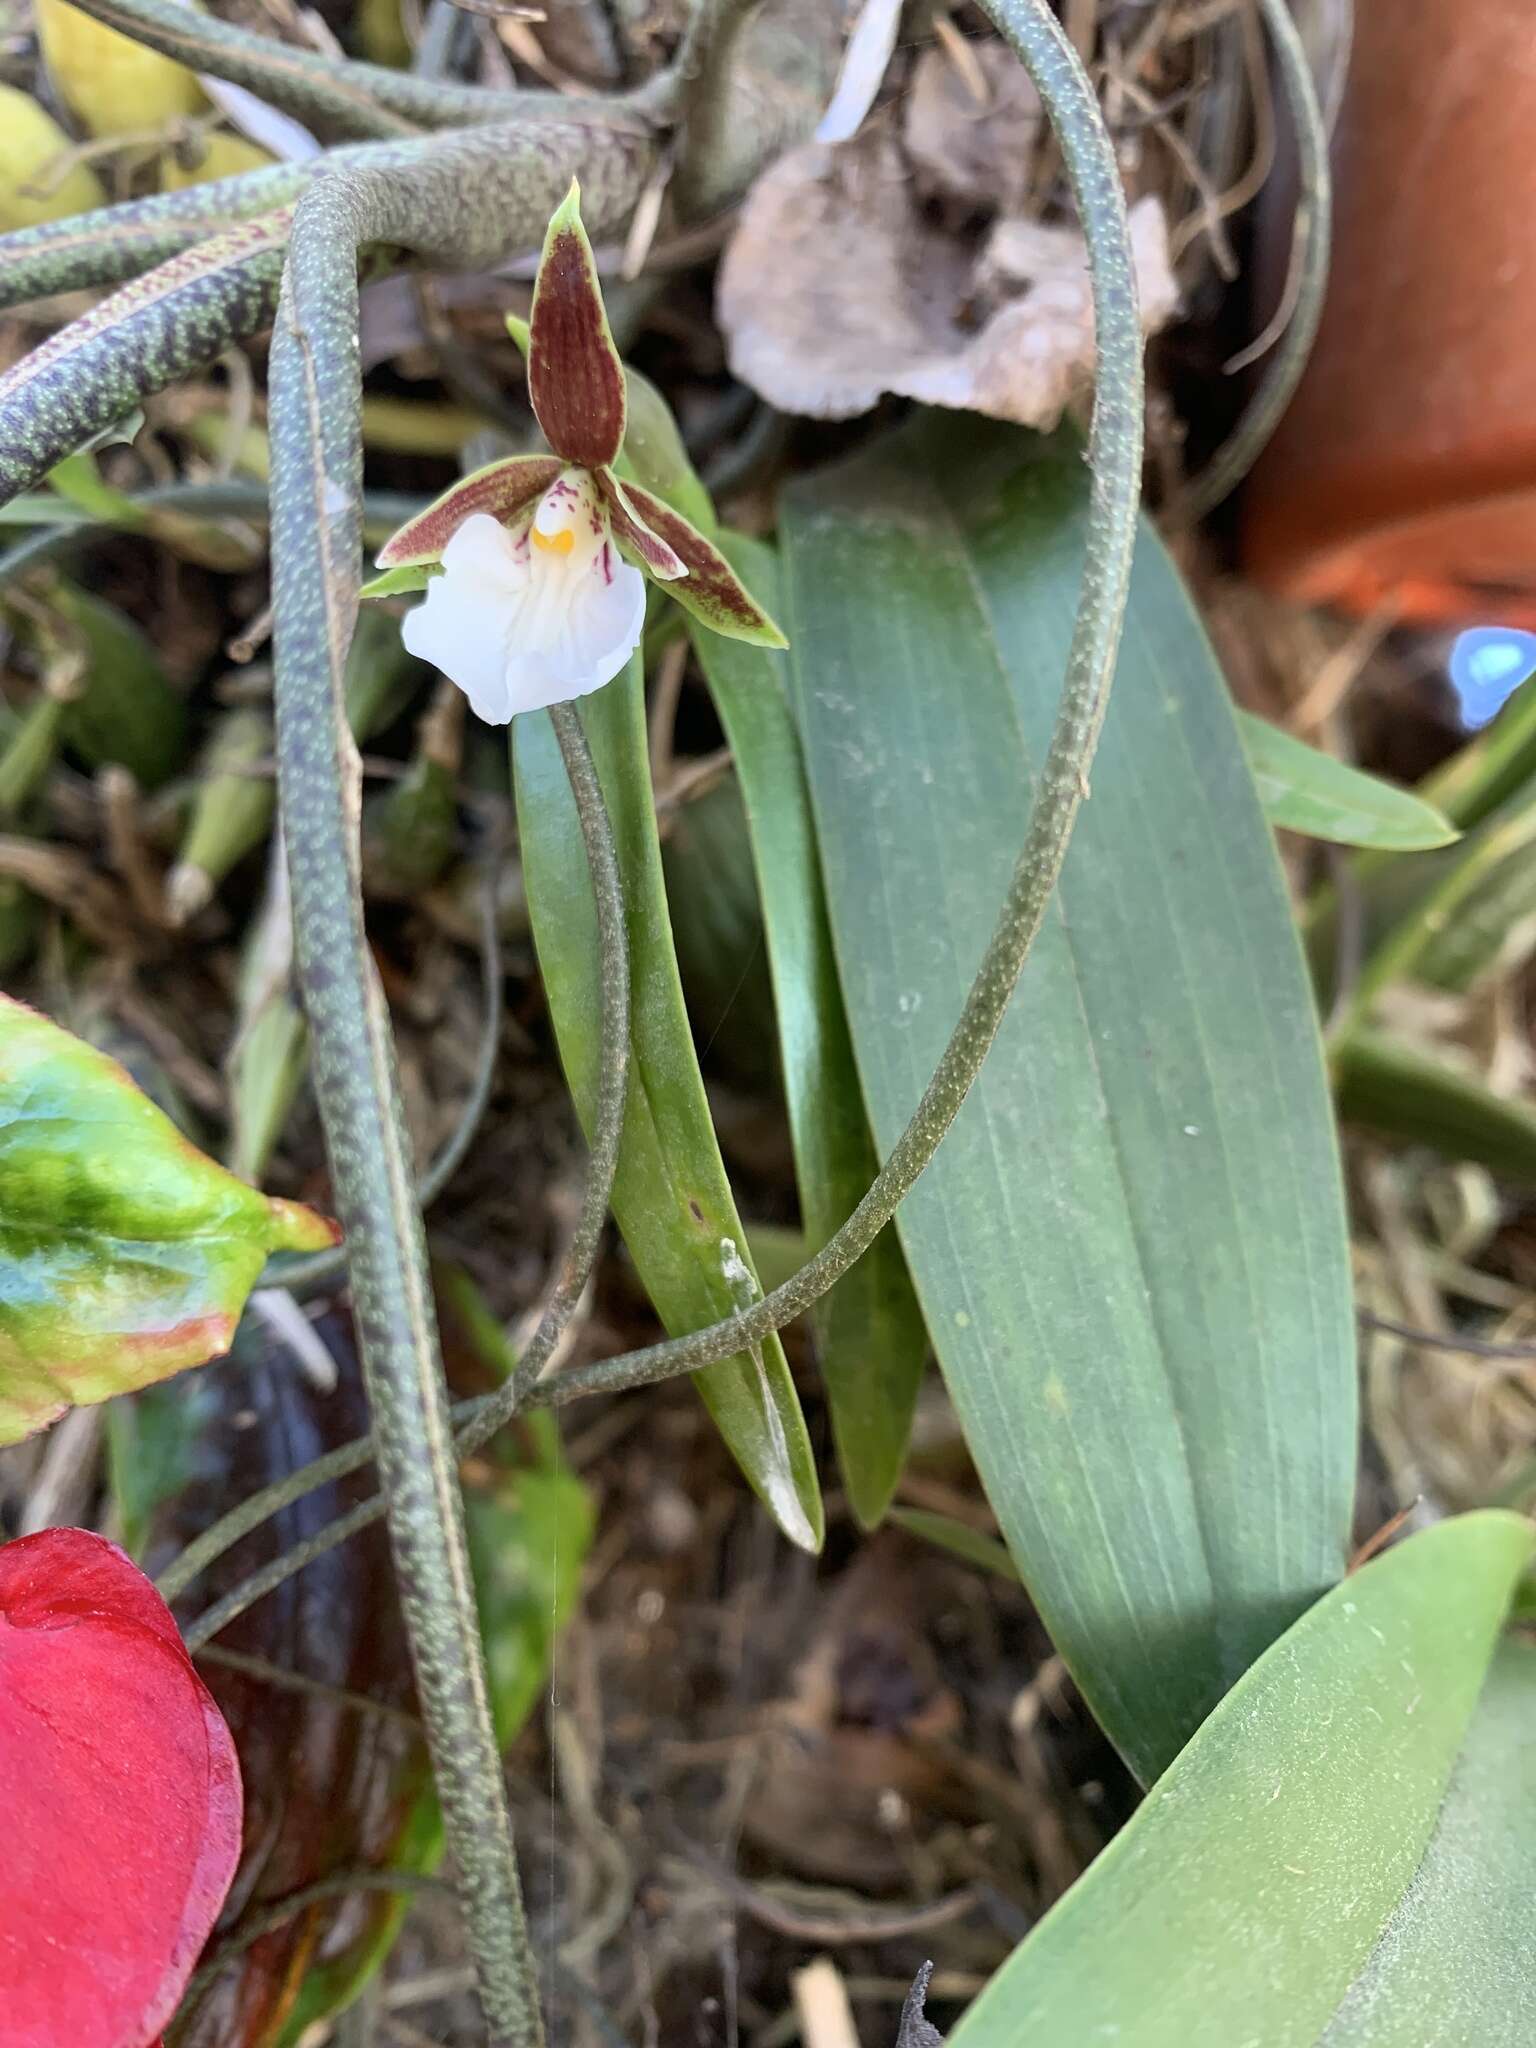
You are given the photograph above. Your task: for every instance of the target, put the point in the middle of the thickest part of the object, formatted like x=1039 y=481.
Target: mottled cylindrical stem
x=467 y=205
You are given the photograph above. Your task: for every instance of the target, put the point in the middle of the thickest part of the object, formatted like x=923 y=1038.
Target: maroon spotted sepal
x=575 y=378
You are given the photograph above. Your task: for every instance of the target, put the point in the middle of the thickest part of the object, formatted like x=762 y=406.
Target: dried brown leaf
x=978 y=150
x=836 y=289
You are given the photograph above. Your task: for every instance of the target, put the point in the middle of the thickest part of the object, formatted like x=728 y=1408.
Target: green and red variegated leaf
x=649 y=551
x=575 y=378
x=125 y=1254
x=504 y=489
x=711 y=590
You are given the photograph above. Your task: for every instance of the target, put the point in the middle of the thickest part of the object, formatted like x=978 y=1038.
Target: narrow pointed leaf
x=503 y=489
x=1401 y=1091
x=1287 y=1880
x=1308 y=791
x=712 y=591
x=1491 y=768
x=126 y=1254
x=1130 y=1248
x=671 y=1198
x=872 y=1341
x=575 y=378
x=974 y=1546
x=636 y=540
x=400 y=582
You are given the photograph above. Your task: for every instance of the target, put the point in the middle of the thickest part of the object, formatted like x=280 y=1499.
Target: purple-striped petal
x=575 y=378
x=711 y=589
x=634 y=536
x=503 y=489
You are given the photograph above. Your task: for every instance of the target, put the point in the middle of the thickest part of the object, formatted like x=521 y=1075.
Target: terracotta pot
x=1405 y=471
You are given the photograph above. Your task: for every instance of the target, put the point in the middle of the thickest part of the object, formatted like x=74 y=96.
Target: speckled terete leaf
x=125 y=1255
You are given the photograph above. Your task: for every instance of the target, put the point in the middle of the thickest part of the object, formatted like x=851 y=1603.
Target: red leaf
x=120 y=1794
x=575 y=378
x=634 y=536
x=502 y=488
x=711 y=589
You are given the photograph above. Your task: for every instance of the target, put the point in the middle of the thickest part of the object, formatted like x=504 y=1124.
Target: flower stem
x=608 y=1123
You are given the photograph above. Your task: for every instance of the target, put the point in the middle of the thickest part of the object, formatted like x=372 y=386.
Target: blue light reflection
x=1487 y=665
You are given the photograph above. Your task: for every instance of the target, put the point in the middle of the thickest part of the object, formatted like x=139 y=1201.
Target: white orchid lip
x=533 y=614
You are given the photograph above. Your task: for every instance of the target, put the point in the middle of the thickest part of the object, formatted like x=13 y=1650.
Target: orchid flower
x=542 y=560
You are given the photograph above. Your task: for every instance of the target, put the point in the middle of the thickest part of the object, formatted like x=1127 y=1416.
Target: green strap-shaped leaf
x=873 y=1343
x=1130 y=1248
x=1455 y=1961
x=972 y=1546
x=1309 y=791
x=1402 y=1092
x=125 y=1255
x=671 y=1196
x=1276 y=1879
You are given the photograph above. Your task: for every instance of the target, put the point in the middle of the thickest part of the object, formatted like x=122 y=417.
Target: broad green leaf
x=1130 y=1249
x=717 y=928
x=1402 y=1092
x=125 y=711
x=1455 y=1961
x=1276 y=1879
x=1309 y=791
x=125 y=1255
x=80 y=483
x=873 y=1343
x=671 y=1197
